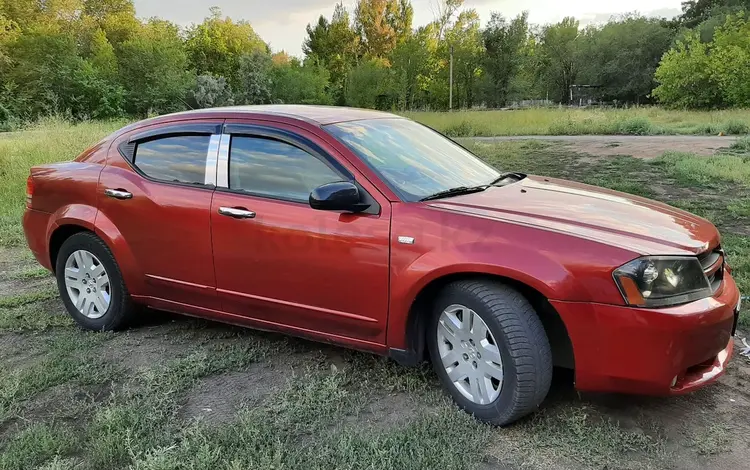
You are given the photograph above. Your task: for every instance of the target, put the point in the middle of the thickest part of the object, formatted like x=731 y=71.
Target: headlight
x=660 y=281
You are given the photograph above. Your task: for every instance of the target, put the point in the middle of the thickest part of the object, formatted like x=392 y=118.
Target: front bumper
x=666 y=351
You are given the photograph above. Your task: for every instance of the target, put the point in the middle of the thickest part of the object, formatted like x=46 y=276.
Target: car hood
x=611 y=217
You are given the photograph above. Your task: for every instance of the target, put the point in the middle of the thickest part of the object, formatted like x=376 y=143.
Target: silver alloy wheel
x=470 y=354
x=87 y=284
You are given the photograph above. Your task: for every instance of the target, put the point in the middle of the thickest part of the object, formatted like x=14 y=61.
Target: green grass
x=48 y=141
x=19 y=300
x=37 y=444
x=258 y=439
x=65 y=358
x=713 y=440
x=690 y=169
x=35 y=316
x=36 y=272
x=142 y=415
x=583 y=435
x=563 y=121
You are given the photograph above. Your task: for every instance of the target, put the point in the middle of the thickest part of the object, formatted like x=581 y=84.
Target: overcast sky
x=282 y=22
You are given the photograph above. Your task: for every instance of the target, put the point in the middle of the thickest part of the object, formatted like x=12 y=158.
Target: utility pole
x=450 y=103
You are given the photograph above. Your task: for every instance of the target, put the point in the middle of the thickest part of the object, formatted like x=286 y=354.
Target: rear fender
x=91 y=219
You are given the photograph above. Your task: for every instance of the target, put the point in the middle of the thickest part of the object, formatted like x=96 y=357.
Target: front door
x=283 y=263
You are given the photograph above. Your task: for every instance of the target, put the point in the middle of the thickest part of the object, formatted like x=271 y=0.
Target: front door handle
x=237 y=212
x=118 y=193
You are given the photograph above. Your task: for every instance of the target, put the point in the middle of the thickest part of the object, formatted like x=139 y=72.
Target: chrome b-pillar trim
x=222 y=177
x=211 y=159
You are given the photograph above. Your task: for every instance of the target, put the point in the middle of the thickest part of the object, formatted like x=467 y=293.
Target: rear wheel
x=490 y=351
x=91 y=285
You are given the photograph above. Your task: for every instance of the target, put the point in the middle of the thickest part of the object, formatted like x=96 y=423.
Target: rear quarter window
x=178 y=159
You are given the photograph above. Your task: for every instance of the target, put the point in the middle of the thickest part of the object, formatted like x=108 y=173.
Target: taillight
x=29 y=190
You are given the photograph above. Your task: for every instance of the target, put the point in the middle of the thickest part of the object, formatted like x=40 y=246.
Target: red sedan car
x=374 y=232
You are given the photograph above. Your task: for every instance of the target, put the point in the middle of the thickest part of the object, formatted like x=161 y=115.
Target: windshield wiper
x=505 y=176
x=455 y=192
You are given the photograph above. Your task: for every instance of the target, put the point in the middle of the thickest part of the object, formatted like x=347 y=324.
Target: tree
x=9 y=32
x=695 y=74
x=414 y=65
x=335 y=46
x=216 y=46
x=297 y=83
x=465 y=38
x=382 y=24
x=444 y=10
x=153 y=69
x=371 y=85
x=504 y=42
x=622 y=57
x=685 y=78
x=212 y=91
x=560 y=57
x=695 y=12
x=731 y=60
x=49 y=76
x=255 y=79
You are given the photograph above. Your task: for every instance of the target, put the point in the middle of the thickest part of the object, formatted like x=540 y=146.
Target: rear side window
x=179 y=159
x=268 y=167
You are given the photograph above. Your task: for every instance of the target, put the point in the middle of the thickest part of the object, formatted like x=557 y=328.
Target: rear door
x=283 y=263
x=156 y=190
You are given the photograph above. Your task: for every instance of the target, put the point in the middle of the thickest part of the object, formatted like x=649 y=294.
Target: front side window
x=178 y=159
x=268 y=167
x=413 y=159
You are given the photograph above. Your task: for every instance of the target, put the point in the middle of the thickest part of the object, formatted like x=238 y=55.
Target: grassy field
x=178 y=393
x=50 y=140
x=564 y=121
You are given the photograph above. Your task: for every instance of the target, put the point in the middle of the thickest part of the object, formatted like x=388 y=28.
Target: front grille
x=713 y=266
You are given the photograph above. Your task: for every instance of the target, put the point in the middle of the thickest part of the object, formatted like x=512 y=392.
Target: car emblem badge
x=406 y=240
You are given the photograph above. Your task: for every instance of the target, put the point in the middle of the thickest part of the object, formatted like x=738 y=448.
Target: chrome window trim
x=212 y=159
x=222 y=177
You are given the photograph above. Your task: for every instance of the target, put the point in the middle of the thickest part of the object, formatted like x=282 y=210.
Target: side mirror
x=339 y=196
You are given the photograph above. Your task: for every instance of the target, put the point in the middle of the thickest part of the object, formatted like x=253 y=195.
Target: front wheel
x=490 y=350
x=91 y=285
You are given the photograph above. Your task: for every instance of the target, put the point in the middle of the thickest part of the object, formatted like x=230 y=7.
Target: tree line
x=96 y=59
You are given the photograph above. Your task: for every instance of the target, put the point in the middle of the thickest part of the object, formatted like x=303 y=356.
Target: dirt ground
x=706 y=429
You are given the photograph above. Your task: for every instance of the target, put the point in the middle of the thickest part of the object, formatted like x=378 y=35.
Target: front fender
x=530 y=267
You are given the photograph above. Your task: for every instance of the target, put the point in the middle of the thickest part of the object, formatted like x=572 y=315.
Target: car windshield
x=414 y=160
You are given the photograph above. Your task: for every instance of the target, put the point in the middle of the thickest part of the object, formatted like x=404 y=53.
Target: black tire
x=121 y=310
x=521 y=341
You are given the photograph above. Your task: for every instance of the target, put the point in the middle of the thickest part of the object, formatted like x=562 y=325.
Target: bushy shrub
x=742 y=144
x=736 y=127
x=460 y=129
x=635 y=126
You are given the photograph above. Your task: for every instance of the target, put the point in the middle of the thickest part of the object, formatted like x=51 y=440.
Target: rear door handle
x=118 y=193
x=237 y=212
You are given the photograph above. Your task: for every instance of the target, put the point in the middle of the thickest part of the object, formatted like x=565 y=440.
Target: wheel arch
x=58 y=237
x=421 y=309
x=108 y=233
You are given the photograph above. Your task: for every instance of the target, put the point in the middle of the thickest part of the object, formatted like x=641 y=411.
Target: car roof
x=320 y=115
x=314 y=115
